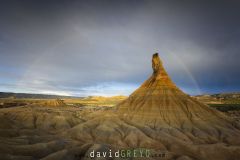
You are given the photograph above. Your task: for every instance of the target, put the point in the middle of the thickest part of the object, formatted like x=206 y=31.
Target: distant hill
x=96 y=101
x=32 y=96
x=220 y=98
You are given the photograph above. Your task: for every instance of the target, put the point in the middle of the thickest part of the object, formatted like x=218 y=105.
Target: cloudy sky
x=102 y=47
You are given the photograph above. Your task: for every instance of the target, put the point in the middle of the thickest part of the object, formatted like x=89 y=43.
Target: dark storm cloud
x=104 y=47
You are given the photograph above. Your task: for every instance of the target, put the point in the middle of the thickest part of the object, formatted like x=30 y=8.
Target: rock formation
x=159 y=103
x=54 y=103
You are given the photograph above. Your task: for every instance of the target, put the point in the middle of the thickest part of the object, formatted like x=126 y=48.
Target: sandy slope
x=75 y=137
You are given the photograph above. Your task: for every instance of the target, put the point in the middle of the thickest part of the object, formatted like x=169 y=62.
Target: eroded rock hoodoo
x=159 y=103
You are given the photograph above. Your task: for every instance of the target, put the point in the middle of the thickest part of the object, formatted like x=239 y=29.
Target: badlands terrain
x=157 y=117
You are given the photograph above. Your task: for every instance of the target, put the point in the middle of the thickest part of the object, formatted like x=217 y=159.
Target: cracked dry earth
x=157 y=116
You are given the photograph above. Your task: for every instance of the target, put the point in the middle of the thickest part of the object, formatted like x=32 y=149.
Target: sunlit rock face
x=159 y=103
x=54 y=103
